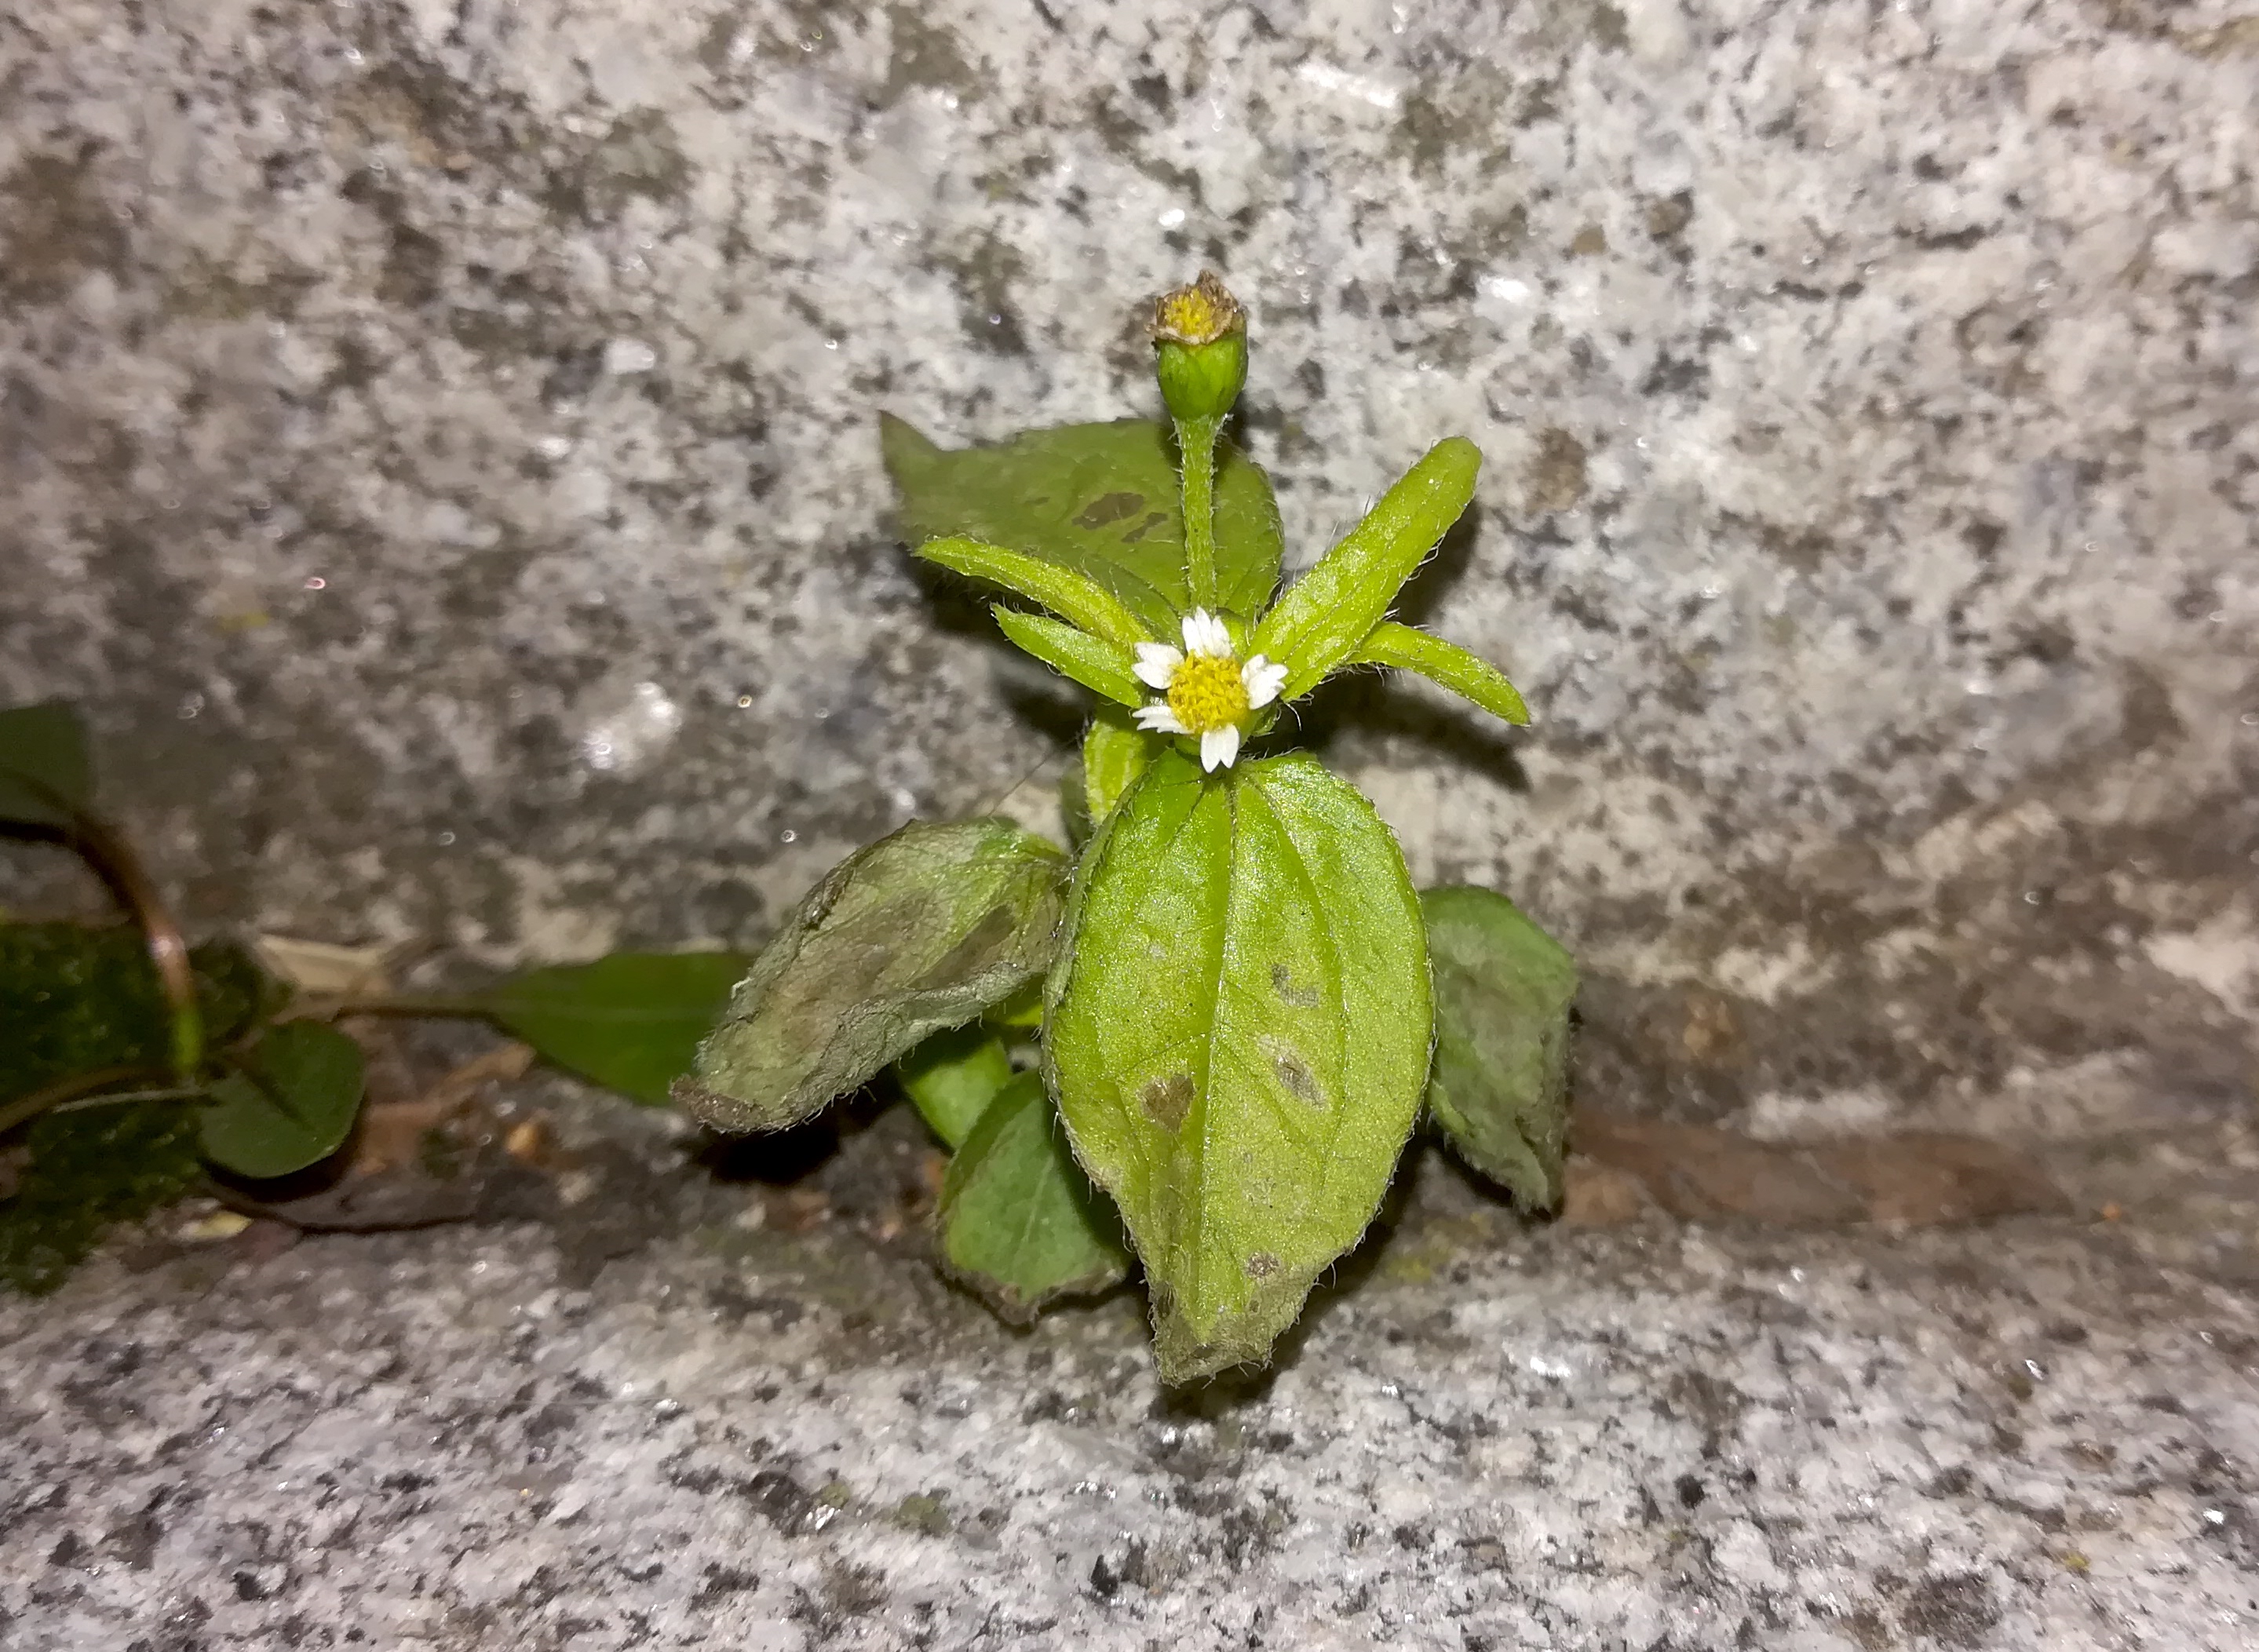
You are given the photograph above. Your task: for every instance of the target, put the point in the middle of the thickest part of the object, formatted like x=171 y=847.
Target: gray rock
x=439 y=449
x=2034 y=1439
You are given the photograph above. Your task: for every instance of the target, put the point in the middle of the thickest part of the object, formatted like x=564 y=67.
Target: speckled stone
x=2033 y=1439
x=440 y=449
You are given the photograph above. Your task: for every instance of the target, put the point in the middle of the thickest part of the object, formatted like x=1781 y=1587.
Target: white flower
x=1211 y=691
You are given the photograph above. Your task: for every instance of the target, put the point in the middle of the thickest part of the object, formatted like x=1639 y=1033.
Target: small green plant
x=130 y=1064
x=1240 y=992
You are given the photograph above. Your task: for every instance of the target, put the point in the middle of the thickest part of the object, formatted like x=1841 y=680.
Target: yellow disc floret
x=1207 y=692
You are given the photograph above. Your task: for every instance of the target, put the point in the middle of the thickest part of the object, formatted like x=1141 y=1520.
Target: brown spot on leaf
x=1159 y=518
x=1109 y=508
x=1262 y=1265
x=1167 y=1100
x=1295 y=1074
x=1282 y=982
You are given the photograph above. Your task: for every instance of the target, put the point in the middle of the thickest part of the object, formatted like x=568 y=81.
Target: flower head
x=1210 y=691
x=1200 y=341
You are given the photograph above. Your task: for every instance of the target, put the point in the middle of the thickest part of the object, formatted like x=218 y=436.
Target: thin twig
x=331 y=1006
x=29 y=1106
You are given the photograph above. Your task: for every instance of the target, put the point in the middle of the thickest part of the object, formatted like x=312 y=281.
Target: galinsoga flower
x=1211 y=692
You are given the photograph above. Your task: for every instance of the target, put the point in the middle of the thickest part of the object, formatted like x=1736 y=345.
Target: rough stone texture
x=2041 y=1437
x=438 y=446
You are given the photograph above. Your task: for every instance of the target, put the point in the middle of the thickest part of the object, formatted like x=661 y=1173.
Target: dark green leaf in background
x=923 y=930
x=1499 y=1088
x=45 y=773
x=631 y=1022
x=952 y=1077
x=293 y=1104
x=1101 y=499
x=1020 y=1222
x=1238 y=1038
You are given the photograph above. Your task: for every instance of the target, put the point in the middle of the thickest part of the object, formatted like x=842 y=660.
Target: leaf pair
x=1110 y=596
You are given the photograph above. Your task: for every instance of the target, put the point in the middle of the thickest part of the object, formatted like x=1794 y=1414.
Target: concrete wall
x=439 y=449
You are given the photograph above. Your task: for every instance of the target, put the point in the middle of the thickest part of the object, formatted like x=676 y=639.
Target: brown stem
x=111 y=856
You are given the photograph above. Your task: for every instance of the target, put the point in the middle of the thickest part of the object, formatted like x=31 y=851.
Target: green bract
x=1240 y=1009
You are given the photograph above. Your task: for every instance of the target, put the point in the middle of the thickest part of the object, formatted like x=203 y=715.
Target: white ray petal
x=1157 y=663
x=1262 y=679
x=1219 y=747
x=1204 y=634
x=1159 y=719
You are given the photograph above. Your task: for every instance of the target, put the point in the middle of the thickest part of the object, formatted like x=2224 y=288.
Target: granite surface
x=441 y=447
x=440 y=453
x=2043 y=1437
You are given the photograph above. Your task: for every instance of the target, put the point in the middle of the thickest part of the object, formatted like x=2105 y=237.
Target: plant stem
x=1196 y=448
x=30 y=1105
x=113 y=857
x=347 y=1004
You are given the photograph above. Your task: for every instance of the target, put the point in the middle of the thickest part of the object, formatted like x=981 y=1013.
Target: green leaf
x=631 y=1022
x=77 y=998
x=46 y=776
x=1115 y=752
x=1499 y=1088
x=1020 y=1223
x=1097 y=665
x=1447 y=664
x=1238 y=1038
x=922 y=930
x=293 y=1105
x=1066 y=592
x=88 y=1169
x=1323 y=615
x=953 y=1076
x=1101 y=499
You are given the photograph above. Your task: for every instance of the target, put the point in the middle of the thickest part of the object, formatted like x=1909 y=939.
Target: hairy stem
x=1196 y=446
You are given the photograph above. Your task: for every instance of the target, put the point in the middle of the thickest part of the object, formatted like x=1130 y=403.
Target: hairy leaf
x=1447 y=665
x=1020 y=1222
x=44 y=773
x=1324 y=615
x=1091 y=661
x=1238 y=1038
x=293 y=1105
x=1101 y=499
x=631 y=1022
x=1499 y=1088
x=953 y=1076
x=1072 y=596
x=1115 y=752
x=922 y=930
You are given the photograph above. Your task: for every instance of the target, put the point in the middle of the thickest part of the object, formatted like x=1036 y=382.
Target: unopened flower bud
x=1200 y=339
